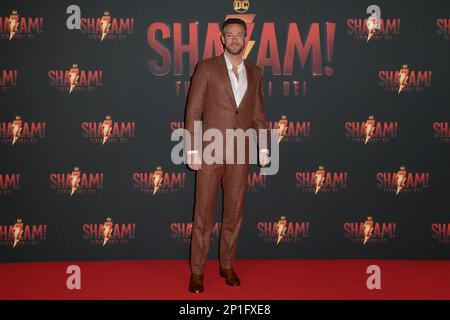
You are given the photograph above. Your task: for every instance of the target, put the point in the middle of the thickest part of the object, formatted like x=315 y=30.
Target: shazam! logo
x=321 y=180
x=290 y=131
x=22 y=235
x=370 y=231
x=108 y=131
x=374 y=27
x=181 y=232
x=307 y=52
x=21 y=132
x=75 y=80
x=76 y=182
x=109 y=233
x=283 y=231
x=403 y=181
x=15 y=26
x=159 y=181
x=405 y=80
x=107 y=27
x=371 y=131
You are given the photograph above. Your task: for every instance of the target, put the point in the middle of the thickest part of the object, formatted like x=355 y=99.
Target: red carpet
x=260 y=279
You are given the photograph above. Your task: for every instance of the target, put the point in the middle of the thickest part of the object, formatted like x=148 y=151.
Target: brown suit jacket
x=211 y=100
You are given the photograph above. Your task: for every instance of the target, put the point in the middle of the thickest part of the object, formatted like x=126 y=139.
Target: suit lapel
x=249 y=73
x=226 y=79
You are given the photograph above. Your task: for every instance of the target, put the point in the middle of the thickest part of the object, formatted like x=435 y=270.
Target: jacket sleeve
x=259 y=115
x=196 y=101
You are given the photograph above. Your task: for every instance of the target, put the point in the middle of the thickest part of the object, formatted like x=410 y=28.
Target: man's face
x=233 y=38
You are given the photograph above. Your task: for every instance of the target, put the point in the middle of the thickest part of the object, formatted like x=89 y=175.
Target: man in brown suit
x=225 y=93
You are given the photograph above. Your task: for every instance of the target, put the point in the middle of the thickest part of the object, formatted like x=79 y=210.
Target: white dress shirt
x=239 y=86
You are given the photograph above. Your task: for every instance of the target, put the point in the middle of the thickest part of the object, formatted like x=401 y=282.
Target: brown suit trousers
x=211 y=101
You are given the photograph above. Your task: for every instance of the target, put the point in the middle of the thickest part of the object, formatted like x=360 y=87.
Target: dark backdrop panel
x=130 y=92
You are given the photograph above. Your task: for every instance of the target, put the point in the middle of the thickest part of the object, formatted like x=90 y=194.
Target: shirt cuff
x=264 y=150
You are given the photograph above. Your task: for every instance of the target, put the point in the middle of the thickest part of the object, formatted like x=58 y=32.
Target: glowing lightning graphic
x=13 y=24
x=281 y=228
x=73 y=76
x=282 y=127
x=401 y=179
x=371 y=25
x=157 y=179
x=106 y=23
x=320 y=177
x=107 y=230
x=18 y=231
x=16 y=128
x=75 y=178
x=368 y=227
x=403 y=77
x=107 y=127
x=369 y=128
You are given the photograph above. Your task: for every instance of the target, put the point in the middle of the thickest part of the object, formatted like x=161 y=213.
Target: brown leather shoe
x=196 y=283
x=230 y=276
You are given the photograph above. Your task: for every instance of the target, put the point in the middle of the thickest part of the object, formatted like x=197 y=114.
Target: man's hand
x=194 y=161
x=263 y=158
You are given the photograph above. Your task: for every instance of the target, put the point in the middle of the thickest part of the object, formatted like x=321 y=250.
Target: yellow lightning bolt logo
x=371 y=25
x=18 y=231
x=107 y=128
x=282 y=128
x=16 y=129
x=106 y=23
x=368 y=228
x=75 y=178
x=401 y=179
x=281 y=228
x=73 y=77
x=320 y=178
x=369 y=128
x=13 y=24
x=403 y=76
x=248 y=18
x=157 y=179
x=107 y=230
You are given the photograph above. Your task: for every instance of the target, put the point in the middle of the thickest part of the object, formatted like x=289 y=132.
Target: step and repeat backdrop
x=91 y=92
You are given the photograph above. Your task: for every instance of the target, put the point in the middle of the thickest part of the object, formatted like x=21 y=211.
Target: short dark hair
x=234 y=21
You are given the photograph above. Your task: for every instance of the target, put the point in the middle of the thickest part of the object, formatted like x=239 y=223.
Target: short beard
x=231 y=51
